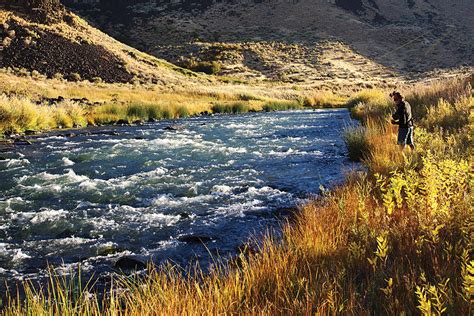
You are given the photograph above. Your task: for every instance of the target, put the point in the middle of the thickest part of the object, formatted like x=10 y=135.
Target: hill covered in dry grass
x=377 y=42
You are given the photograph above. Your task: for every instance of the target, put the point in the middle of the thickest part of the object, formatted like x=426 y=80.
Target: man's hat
x=395 y=93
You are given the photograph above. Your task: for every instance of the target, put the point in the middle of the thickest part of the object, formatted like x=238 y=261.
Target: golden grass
x=18 y=114
x=126 y=102
x=324 y=99
x=395 y=240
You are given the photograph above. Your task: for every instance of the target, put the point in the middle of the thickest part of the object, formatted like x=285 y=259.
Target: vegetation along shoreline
x=396 y=239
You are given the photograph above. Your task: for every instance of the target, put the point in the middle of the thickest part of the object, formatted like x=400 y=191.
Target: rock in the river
x=138 y=122
x=184 y=215
x=191 y=239
x=122 y=122
x=22 y=141
x=67 y=233
x=30 y=132
x=175 y=127
x=129 y=263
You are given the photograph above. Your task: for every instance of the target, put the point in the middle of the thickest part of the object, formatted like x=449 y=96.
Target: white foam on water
x=221 y=189
x=69 y=241
x=266 y=191
x=90 y=185
x=156 y=173
x=48 y=215
x=3 y=249
x=14 y=163
x=45 y=176
x=165 y=200
x=169 y=200
x=292 y=152
x=85 y=204
x=160 y=219
x=103 y=224
x=68 y=162
x=20 y=255
x=10 y=202
x=194 y=188
x=239 y=209
x=109 y=141
x=242 y=126
x=235 y=150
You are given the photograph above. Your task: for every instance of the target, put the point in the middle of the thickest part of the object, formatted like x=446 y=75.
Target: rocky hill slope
x=299 y=40
x=43 y=38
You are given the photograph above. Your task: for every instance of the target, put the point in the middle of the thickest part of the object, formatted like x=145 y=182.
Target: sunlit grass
x=325 y=99
x=396 y=240
x=281 y=106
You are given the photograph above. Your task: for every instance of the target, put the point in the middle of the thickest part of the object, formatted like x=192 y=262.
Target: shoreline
x=392 y=240
x=25 y=138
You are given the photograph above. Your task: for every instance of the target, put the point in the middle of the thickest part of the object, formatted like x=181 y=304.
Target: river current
x=157 y=194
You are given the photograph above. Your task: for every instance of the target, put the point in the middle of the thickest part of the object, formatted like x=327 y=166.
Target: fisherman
x=404 y=119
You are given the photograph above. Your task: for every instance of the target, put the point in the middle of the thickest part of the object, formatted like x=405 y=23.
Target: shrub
x=281 y=106
x=154 y=112
x=138 y=111
x=324 y=99
x=166 y=113
x=356 y=142
x=248 y=97
x=103 y=118
x=210 y=68
x=370 y=97
x=18 y=114
x=235 y=107
x=182 y=111
x=62 y=118
x=448 y=116
x=75 y=77
x=76 y=113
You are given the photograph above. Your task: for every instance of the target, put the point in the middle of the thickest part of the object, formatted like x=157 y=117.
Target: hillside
x=302 y=41
x=42 y=38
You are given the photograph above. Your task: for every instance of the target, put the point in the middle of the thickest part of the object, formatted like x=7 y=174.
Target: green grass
x=356 y=142
x=230 y=108
x=281 y=106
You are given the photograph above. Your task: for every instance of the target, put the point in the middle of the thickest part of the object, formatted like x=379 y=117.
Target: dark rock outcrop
x=51 y=54
x=192 y=239
x=129 y=263
x=41 y=11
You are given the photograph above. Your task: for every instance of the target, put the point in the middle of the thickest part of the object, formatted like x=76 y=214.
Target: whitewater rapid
x=147 y=192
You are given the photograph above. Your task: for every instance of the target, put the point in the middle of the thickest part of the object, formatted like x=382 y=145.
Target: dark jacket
x=402 y=115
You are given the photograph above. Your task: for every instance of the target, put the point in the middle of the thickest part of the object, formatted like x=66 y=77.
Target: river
x=156 y=194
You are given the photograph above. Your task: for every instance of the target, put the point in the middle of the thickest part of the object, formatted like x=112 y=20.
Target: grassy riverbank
x=41 y=104
x=397 y=239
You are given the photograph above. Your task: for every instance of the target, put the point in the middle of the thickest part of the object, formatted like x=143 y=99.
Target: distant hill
x=295 y=40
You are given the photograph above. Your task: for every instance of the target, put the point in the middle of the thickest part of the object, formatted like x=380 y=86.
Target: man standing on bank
x=404 y=119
